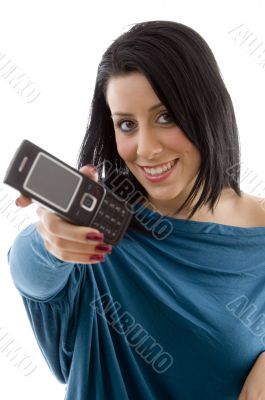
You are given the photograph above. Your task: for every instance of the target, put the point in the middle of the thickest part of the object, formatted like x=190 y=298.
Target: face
x=146 y=135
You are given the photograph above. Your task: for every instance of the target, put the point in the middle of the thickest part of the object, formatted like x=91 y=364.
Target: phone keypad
x=110 y=217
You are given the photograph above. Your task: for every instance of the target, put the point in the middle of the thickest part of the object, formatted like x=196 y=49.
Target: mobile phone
x=64 y=190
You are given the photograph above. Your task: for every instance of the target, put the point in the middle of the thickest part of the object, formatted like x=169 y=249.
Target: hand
x=67 y=241
x=254 y=386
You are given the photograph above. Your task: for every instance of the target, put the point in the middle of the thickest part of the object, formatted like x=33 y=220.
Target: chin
x=162 y=196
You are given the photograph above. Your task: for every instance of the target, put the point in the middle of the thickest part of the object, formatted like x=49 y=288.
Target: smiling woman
x=159 y=92
x=153 y=142
x=163 y=123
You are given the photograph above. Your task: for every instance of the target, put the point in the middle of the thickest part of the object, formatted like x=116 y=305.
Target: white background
x=58 y=45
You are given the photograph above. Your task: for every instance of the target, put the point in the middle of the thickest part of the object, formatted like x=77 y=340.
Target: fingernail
x=97 y=257
x=92 y=167
x=94 y=236
x=17 y=202
x=103 y=247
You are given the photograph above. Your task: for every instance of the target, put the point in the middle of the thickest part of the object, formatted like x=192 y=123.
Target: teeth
x=159 y=170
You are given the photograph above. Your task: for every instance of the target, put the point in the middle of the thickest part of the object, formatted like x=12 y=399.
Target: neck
x=169 y=207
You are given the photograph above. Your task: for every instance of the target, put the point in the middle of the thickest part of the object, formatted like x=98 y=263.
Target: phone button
x=88 y=202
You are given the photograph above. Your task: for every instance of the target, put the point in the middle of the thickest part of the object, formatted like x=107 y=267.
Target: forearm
x=36 y=273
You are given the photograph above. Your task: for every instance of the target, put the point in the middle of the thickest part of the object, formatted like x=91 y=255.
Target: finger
x=84 y=258
x=90 y=171
x=23 y=201
x=58 y=227
x=72 y=246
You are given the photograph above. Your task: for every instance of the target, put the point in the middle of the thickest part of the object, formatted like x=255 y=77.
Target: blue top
x=175 y=316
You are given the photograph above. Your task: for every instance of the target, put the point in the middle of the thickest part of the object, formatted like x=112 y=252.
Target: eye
x=169 y=119
x=122 y=124
x=127 y=126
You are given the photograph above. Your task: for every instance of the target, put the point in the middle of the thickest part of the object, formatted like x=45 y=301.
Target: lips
x=158 y=165
x=160 y=177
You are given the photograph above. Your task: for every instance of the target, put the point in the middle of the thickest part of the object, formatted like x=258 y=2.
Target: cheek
x=181 y=144
x=178 y=141
x=126 y=149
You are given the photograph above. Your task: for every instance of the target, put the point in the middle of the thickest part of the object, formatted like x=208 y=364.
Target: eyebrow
x=131 y=115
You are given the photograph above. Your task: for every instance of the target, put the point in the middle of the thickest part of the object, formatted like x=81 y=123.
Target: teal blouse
x=173 y=313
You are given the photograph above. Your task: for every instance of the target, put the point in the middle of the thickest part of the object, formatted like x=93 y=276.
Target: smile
x=160 y=173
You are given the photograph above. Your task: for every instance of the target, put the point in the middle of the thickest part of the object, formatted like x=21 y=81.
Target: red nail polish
x=94 y=236
x=104 y=247
x=98 y=257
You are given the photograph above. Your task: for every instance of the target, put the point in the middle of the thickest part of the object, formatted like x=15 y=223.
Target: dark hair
x=184 y=74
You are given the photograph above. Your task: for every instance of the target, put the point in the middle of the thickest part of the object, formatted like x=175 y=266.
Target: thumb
x=90 y=171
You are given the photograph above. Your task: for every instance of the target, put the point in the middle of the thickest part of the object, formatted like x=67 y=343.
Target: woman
x=159 y=316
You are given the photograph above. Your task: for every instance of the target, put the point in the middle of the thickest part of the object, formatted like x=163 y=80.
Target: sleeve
x=51 y=293
x=36 y=273
x=54 y=324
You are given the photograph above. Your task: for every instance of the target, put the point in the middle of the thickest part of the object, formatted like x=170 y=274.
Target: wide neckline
x=195 y=227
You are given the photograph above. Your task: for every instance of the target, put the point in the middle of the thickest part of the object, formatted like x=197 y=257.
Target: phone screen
x=52 y=182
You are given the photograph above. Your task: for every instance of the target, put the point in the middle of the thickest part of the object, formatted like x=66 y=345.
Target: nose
x=148 y=145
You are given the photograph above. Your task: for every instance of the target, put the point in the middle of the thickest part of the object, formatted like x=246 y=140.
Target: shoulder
x=251 y=209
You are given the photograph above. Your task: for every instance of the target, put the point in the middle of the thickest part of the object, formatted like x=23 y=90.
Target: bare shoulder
x=252 y=209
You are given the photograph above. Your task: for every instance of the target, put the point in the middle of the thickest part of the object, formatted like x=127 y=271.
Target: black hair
x=184 y=74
